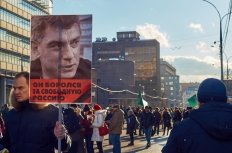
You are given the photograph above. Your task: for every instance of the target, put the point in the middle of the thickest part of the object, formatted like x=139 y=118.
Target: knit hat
x=212 y=90
x=86 y=108
x=97 y=107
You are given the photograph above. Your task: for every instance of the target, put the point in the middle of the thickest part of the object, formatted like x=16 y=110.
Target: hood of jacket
x=215 y=119
x=102 y=111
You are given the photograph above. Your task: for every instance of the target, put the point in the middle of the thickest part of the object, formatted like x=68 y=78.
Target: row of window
x=16 y=20
x=12 y=59
x=170 y=77
x=28 y=7
x=13 y=39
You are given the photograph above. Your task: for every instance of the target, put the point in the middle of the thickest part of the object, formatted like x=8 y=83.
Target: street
x=157 y=143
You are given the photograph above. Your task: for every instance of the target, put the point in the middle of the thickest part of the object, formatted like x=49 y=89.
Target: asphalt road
x=157 y=143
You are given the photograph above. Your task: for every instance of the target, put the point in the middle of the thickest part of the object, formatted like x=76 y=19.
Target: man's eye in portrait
x=75 y=42
x=55 y=45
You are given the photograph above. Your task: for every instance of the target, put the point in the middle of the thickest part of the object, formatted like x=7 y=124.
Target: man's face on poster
x=59 y=52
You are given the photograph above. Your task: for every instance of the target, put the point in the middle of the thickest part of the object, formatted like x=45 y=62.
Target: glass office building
x=15 y=16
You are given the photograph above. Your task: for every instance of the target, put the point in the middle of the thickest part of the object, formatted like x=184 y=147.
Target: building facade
x=15 y=16
x=170 y=85
x=116 y=82
x=145 y=54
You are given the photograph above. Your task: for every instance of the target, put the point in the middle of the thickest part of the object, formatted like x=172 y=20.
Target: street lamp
x=221 y=49
x=227 y=67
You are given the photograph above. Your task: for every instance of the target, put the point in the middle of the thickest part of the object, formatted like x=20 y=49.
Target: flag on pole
x=140 y=101
x=193 y=101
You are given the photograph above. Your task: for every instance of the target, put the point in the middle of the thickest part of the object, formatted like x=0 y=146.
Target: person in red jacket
x=87 y=125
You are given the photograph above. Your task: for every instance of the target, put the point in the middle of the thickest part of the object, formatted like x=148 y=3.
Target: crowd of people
x=140 y=121
x=28 y=127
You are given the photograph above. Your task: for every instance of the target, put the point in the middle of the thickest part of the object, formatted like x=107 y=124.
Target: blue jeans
x=115 y=140
x=147 y=132
x=89 y=144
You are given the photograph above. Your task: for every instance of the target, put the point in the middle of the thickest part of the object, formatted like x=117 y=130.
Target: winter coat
x=157 y=117
x=87 y=126
x=98 y=121
x=131 y=121
x=167 y=119
x=32 y=131
x=147 y=120
x=207 y=130
x=116 y=122
x=177 y=117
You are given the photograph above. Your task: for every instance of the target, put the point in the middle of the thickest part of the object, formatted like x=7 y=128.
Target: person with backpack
x=99 y=116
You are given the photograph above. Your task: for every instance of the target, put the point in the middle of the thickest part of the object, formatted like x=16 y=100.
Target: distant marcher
x=146 y=122
x=187 y=112
x=131 y=123
x=99 y=117
x=157 y=119
x=209 y=128
x=87 y=125
x=177 y=116
x=116 y=126
x=139 y=116
x=166 y=116
x=107 y=120
x=78 y=145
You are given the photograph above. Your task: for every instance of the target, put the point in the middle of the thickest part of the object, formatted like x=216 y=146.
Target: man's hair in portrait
x=40 y=23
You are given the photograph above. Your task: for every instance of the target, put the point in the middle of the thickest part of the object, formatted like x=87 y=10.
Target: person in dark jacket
x=87 y=123
x=187 y=112
x=157 y=119
x=209 y=128
x=131 y=121
x=177 y=116
x=109 y=115
x=166 y=120
x=32 y=128
x=146 y=122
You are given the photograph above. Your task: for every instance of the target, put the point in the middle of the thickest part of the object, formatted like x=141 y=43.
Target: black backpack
x=71 y=121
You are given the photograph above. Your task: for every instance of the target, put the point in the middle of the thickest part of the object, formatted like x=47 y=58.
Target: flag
x=140 y=101
x=193 y=101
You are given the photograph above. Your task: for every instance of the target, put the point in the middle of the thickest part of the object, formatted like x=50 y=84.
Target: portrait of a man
x=57 y=57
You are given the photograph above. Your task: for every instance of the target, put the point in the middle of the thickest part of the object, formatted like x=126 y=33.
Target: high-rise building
x=170 y=86
x=144 y=53
x=15 y=16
